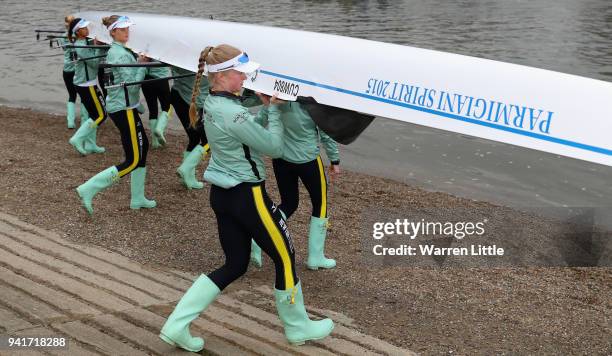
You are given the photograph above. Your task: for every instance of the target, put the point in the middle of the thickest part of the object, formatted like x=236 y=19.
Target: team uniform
x=154 y=92
x=121 y=104
x=197 y=147
x=92 y=99
x=68 y=76
x=238 y=197
x=301 y=161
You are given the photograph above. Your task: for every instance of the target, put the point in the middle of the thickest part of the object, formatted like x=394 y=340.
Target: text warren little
x=432 y=250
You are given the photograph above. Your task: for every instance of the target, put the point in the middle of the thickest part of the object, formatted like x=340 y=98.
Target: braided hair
x=210 y=55
x=193 y=116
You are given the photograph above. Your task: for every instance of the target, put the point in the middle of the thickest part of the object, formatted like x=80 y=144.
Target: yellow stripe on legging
x=323 y=188
x=275 y=234
x=134 y=139
x=100 y=117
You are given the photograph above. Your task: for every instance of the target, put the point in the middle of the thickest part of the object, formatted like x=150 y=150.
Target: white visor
x=122 y=22
x=81 y=24
x=241 y=63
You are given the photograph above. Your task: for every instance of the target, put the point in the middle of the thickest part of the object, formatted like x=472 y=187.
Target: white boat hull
x=529 y=107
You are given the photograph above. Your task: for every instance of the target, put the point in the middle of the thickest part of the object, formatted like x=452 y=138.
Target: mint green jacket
x=302 y=136
x=115 y=98
x=85 y=71
x=184 y=86
x=68 y=64
x=158 y=72
x=238 y=140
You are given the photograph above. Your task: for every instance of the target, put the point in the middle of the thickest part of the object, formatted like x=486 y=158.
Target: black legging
x=159 y=90
x=101 y=80
x=93 y=100
x=312 y=175
x=244 y=212
x=72 y=93
x=133 y=138
x=196 y=134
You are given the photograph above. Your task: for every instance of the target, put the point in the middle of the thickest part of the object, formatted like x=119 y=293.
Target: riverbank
x=433 y=311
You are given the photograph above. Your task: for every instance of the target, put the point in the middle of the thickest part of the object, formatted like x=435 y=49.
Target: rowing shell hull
x=524 y=106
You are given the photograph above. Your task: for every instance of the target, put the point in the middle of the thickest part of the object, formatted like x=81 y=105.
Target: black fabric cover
x=343 y=125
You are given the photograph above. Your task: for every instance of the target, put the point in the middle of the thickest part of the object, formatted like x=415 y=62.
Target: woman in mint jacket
x=181 y=96
x=86 y=84
x=68 y=74
x=154 y=92
x=301 y=161
x=121 y=104
x=238 y=197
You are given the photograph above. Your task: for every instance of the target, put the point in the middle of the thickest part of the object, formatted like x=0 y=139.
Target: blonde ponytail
x=193 y=115
x=109 y=20
x=67 y=20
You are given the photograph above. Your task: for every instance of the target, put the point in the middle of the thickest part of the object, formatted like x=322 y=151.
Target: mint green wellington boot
x=90 y=143
x=316 y=245
x=137 y=180
x=84 y=114
x=186 y=171
x=298 y=327
x=70 y=118
x=154 y=141
x=255 y=254
x=160 y=128
x=96 y=184
x=80 y=137
x=197 y=298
